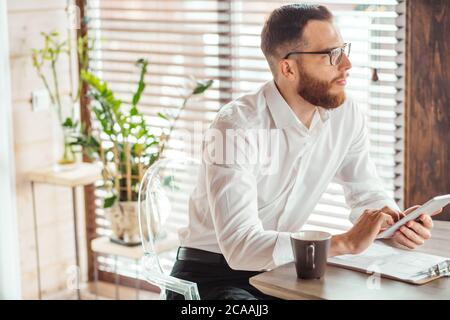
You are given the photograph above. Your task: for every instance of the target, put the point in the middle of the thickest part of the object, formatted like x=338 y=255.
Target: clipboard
x=397 y=264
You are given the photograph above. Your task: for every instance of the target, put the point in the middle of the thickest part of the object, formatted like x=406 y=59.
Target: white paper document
x=386 y=260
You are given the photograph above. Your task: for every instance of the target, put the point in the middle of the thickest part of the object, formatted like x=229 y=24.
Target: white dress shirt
x=247 y=209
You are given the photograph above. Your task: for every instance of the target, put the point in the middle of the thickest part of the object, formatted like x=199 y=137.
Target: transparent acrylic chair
x=163 y=209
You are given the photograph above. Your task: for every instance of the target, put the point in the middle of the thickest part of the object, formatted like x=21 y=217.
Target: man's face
x=319 y=82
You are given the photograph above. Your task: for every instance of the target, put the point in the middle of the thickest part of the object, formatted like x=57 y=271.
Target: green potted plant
x=126 y=147
x=46 y=60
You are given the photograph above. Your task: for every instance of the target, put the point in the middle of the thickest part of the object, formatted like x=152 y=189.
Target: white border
x=10 y=282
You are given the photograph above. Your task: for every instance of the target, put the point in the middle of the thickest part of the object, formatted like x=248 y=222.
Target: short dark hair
x=284 y=29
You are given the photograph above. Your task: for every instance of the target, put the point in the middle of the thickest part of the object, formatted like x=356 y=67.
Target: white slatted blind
x=376 y=31
x=219 y=40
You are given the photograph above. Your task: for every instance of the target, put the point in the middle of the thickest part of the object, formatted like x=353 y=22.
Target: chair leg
x=116 y=275
x=138 y=282
x=96 y=274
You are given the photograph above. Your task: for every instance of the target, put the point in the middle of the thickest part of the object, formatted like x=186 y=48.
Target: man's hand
x=372 y=222
x=416 y=232
x=396 y=215
x=362 y=234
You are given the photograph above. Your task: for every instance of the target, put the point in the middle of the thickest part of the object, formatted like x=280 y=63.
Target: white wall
x=10 y=285
x=34 y=143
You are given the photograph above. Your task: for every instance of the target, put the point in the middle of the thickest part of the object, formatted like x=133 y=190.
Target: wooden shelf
x=80 y=175
x=105 y=246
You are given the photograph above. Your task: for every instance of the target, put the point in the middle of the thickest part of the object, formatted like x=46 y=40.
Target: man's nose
x=345 y=63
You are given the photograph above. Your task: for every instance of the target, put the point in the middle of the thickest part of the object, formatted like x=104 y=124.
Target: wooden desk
x=339 y=283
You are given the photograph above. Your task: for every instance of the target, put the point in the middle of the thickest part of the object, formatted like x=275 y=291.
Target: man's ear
x=287 y=70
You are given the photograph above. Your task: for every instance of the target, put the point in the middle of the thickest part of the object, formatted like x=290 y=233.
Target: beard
x=317 y=92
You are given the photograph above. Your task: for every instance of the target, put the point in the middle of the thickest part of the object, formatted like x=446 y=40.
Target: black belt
x=202 y=256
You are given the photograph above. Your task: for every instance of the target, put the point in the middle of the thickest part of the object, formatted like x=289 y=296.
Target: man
x=241 y=213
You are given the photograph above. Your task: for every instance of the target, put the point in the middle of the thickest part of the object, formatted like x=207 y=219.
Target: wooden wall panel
x=428 y=102
x=89 y=196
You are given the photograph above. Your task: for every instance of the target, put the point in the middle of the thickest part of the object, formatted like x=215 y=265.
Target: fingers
x=409 y=210
x=383 y=220
x=396 y=215
x=400 y=238
x=421 y=230
x=436 y=212
x=426 y=221
x=365 y=214
x=372 y=222
x=412 y=236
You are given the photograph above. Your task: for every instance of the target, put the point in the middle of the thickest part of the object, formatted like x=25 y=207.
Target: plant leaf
x=202 y=86
x=68 y=123
x=134 y=111
x=142 y=63
x=169 y=182
x=109 y=202
x=163 y=116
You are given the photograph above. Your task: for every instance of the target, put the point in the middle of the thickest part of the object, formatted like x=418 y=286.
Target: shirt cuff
x=282 y=253
x=356 y=212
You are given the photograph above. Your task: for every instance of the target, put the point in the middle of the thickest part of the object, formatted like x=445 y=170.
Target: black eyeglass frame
x=329 y=52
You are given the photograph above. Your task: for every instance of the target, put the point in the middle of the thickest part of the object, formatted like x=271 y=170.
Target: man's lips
x=342 y=81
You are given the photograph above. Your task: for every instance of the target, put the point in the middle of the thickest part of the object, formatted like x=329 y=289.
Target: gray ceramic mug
x=310 y=250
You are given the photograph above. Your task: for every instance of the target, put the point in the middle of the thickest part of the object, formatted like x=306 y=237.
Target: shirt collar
x=282 y=114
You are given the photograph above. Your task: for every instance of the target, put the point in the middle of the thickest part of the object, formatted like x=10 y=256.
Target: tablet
x=429 y=207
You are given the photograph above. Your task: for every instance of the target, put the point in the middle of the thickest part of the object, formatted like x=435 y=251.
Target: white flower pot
x=124 y=223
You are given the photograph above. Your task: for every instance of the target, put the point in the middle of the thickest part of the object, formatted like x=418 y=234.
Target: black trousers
x=216 y=281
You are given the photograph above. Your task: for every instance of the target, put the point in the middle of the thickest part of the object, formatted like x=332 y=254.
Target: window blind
x=219 y=40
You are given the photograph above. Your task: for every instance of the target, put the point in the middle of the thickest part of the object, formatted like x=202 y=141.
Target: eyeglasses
x=335 y=54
